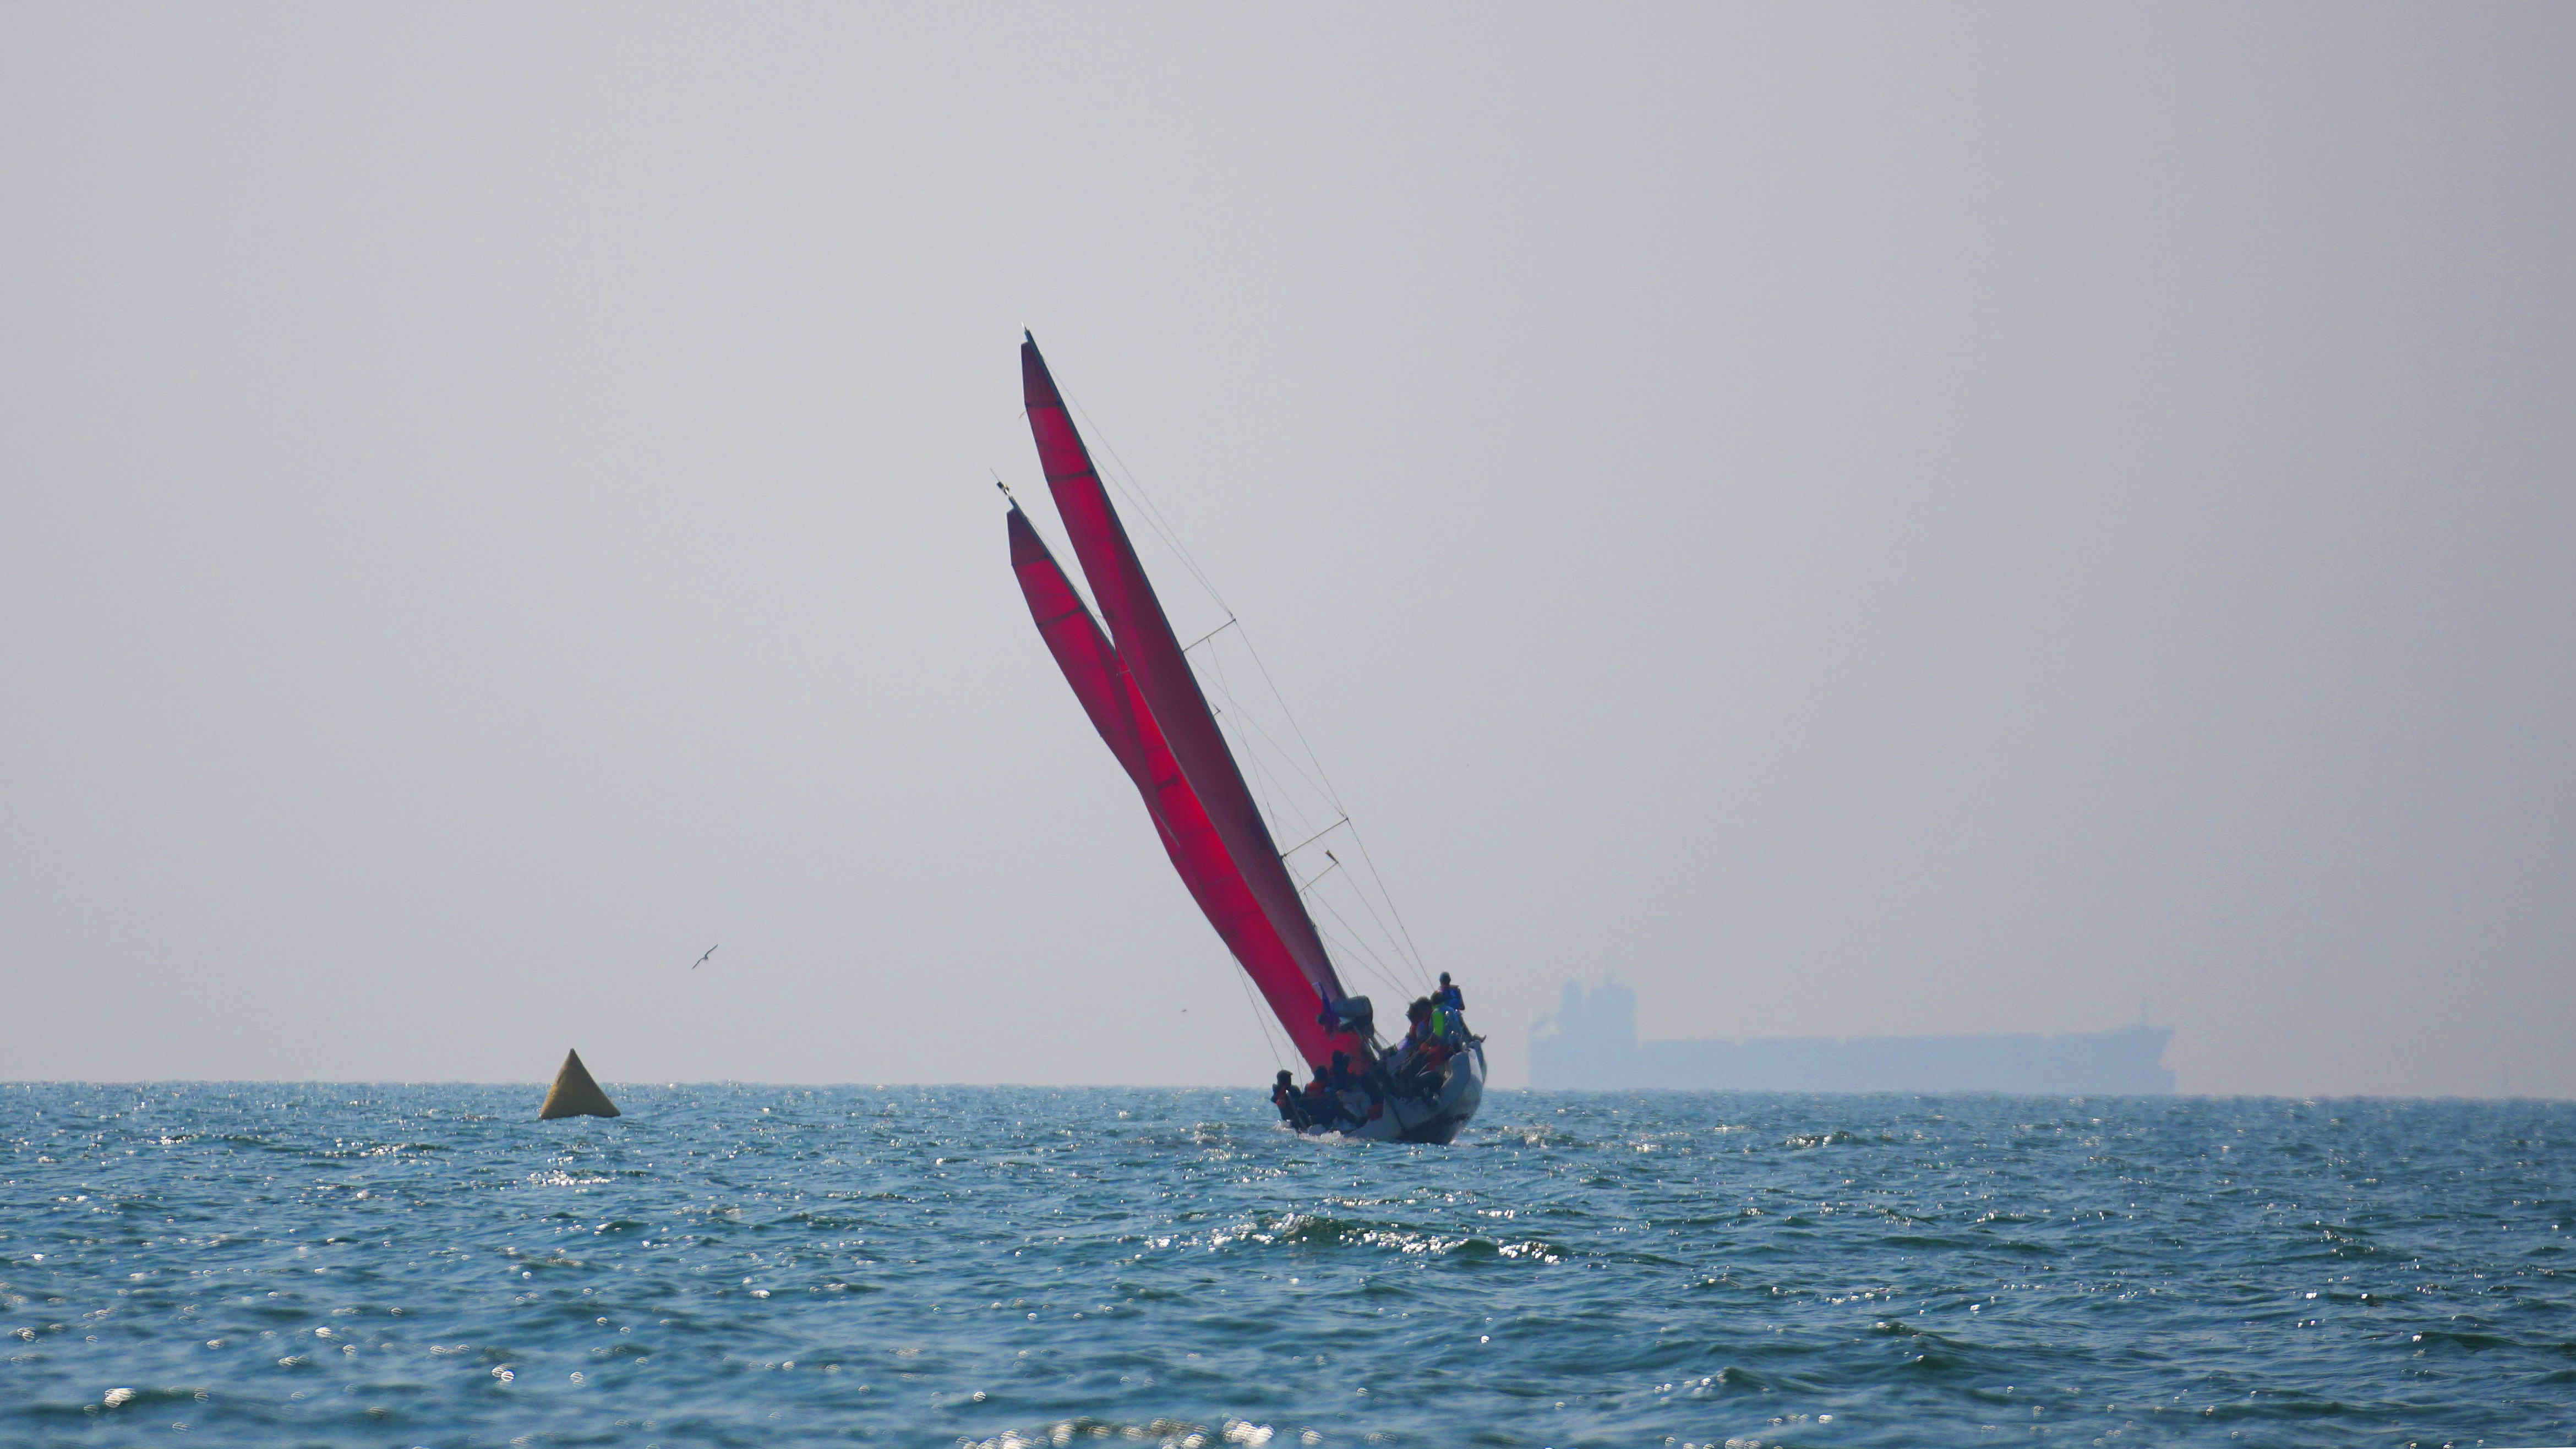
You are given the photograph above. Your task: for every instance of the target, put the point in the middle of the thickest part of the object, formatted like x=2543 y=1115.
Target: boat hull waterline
x=1436 y=1117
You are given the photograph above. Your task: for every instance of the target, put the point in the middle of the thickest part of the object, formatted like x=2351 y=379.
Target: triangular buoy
x=574 y=1094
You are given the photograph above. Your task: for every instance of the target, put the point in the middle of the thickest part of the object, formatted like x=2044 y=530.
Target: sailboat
x=1134 y=681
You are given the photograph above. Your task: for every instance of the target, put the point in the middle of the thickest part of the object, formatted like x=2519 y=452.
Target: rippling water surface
x=371 y=1265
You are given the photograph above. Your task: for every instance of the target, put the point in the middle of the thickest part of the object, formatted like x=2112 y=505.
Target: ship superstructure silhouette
x=1590 y=1041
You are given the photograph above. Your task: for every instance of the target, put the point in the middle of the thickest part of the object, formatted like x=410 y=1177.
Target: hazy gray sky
x=1874 y=520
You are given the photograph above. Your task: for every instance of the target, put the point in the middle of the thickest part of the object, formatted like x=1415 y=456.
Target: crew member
x=1418 y=1017
x=1320 y=1109
x=1283 y=1095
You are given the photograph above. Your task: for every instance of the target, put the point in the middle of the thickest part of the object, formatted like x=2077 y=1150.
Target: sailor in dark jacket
x=1292 y=1106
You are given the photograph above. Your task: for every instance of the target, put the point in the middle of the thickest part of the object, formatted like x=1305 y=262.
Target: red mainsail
x=1137 y=687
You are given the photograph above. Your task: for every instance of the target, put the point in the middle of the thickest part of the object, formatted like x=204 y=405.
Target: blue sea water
x=733 y=1265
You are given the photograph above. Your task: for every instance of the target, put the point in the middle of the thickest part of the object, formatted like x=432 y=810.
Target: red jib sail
x=1138 y=689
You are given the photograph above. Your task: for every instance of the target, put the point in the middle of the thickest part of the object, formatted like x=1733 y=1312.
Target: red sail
x=1170 y=694
x=1082 y=652
x=1109 y=696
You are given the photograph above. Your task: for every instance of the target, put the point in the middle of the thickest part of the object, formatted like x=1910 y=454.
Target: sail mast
x=1105 y=685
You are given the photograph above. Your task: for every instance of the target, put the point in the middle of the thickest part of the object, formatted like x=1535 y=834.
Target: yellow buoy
x=574 y=1094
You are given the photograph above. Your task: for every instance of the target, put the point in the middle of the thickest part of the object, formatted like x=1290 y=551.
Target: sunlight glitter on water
x=772 y=1266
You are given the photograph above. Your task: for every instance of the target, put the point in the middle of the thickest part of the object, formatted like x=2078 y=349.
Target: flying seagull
x=701 y=961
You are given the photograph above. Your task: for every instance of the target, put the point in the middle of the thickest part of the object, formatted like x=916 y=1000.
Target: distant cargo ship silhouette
x=1591 y=1042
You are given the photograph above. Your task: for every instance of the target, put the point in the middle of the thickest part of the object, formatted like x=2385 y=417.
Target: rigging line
x=1290 y=813
x=1280 y=817
x=1163 y=529
x=1136 y=493
x=1369 y=977
x=1266 y=782
x=1357 y=947
x=1317 y=876
x=1203 y=638
x=1263 y=782
x=1376 y=972
x=1399 y=947
x=1352 y=943
x=1171 y=538
x=1260 y=779
x=1272 y=1033
x=1081 y=586
x=1356 y=942
x=1285 y=808
x=1350 y=935
x=1269 y=1029
x=1298 y=729
x=1249 y=721
x=1253 y=724
x=1283 y=816
x=1316 y=782
x=1402 y=946
x=1395 y=946
x=1318 y=835
x=1371 y=861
